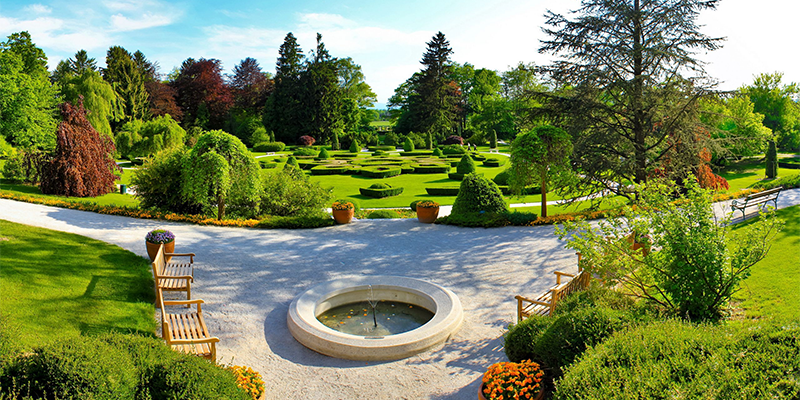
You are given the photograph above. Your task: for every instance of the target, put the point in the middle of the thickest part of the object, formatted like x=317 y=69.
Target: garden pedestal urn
x=152 y=249
x=343 y=216
x=427 y=215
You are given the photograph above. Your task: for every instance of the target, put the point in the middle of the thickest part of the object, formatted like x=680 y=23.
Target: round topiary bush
x=466 y=165
x=323 y=154
x=478 y=194
x=380 y=185
x=269 y=147
x=383 y=214
x=502 y=178
x=380 y=190
x=438 y=152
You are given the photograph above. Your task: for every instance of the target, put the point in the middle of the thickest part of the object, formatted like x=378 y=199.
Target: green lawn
x=111 y=199
x=773 y=288
x=55 y=284
x=748 y=172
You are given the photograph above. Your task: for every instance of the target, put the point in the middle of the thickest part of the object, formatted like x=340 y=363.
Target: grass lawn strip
x=55 y=285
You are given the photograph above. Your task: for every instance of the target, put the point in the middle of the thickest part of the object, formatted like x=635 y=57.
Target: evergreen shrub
x=478 y=194
x=306 y=151
x=453 y=149
x=329 y=170
x=355 y=147
x=492 y=162
x=323 y=154
x=380 y=190
x=431 y=168
x=383 y=214
x=381 y=171
x=442 y=191
x=269 y=147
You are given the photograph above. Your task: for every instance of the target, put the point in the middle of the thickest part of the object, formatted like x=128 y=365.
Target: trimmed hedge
x=381 y=171
x=407 y=169
x=306 y=151
x=305 y=164
x=453 y=149
x=478 y=194
x=267 y=164
x=329 y=170
x=492 y=162
x=383 y=214
x=416 y=153
x=384 y=148
x=345 y=155
x=380 y=190
x=528 y=190
x=269 y=147
x=478 y=157
x=442 y=191
x=431 y=168
x=455 y=176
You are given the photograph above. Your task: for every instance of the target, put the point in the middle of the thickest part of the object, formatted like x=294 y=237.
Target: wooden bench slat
x=545 y=303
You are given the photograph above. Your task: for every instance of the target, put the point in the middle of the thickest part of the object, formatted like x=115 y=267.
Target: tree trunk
x=639 y=118
x=544 y=193
x=220 y=208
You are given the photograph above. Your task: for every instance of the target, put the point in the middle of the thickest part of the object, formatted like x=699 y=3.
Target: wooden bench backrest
x=764 y=193
x=159 y=263
x=577 y=283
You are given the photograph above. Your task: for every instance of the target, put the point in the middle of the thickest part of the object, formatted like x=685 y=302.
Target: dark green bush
x=381 y=171
x=269 y=147
x=478 y=194
x=75 y=368
x=521 y=218
x=694 y=361
x=406 y=169
x=431 y=168
x=265 y=164
x=453 y=149
x=416 y=153
x=477 y=157
x=438 y=152
x=305 y=221
x=475 y=220
x=414 y=205
x=466 y=165
x=345 y=155
x=383 y=214
x=306 y=151
x=492 y=162
x=329 y=170
x=355 y=147
x=291 y=193
x=380 y=190
x=442 y=191
x=408 y=145
x=506 y=191
x=305 y=164
x=323 y=154
x=520 y=340
x=502 y=178
x=383 y=148
x=788 y=182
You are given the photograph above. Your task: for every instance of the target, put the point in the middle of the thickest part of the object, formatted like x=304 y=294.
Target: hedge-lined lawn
x=607 y=204
x=55 y=284
x=111 y=199
x=748 y=172
x=773 y=288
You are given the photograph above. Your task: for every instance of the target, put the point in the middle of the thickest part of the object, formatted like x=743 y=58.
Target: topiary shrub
x=355 y=147
x=380 y=190
x=527 y=190
x=306 y=140
x=381 y=171
x=453 y=149
x=438 y=152
x=521 y=218
x=492 y=162
x=269 y=147
x=383 y=214
x=772 y=161
x=414 y=205
x=442 y=191
x=493 y=140
x=382 y=148
x=502 y=178
x=329 y=170
x=431 y=168
x=267 y=164
x=323 y=154
x=464 y=167
x=454 y=139
x=76 y=368
x=478 y=195
x=408 y=145
x=306 y=152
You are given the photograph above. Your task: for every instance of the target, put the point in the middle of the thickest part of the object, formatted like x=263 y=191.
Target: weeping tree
x=628 y=86
x=220 y=173
x=82 y=164
x=539 y=156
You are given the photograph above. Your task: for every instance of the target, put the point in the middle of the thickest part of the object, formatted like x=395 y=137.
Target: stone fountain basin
x=309 y=331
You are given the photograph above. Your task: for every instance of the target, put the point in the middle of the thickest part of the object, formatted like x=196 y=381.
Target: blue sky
x=386 y=38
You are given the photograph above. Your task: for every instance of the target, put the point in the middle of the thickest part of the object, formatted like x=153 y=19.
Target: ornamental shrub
x=453 y=149
x=391 y=139
x=438 y=152
x=139 y=138
x=492 y=162
x=306 y=152
x=380 y=186
x=269 y=147
x=157 y=183
x=289 y=192
x=381 y=171
x=414 y=205
x=454 y=139
x=383 y=214
x=502 y=178
x=493 y=140
x=442 y=191
x=772 y=161
x=323 y=154
x=355 y=147
x=380 y=190
x=478 y=194
x=306 y=140
x=429 y=141
x=408 y=145
x=466 y=165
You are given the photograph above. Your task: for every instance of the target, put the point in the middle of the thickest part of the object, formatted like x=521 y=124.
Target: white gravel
x=248 y=277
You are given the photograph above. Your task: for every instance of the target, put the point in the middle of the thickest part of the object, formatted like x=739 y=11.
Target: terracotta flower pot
x=343 y=216
x=427 y=215
x=152 y=249
x=539 y=396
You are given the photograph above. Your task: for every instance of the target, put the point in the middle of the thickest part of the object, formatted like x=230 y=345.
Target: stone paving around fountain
x=249 y=277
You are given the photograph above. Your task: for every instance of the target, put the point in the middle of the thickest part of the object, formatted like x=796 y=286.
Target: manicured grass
x=748 y=172
x=55 y=284
x=773 y=288
x=111 y=199
x=607 y=204
x=380 y=123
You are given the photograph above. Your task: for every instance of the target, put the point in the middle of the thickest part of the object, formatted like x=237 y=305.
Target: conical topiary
x=438 y=152
x=478 y=194
x=355 y=147
x=772 y=161
x=493 y=140
x=466 y=165
x=429 y=141
x=291 y=163
x=408 y=145
x=335 y=142
x=323 y=154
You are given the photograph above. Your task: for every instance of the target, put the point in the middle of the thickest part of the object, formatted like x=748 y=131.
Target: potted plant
x=156 y=238
x=427 y=211
x=509 y=380
x=343 y=211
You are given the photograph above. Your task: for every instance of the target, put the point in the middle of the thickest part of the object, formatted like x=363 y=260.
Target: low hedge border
x=442 y=191
x=416 y=153
x=431 y=168
x=329 y=170
x=455 y=176
x=381 y=171
x=380 y=193
x=267 y=164
x=492 y=162
x=269 y=222
x=345 y=155
x=788 y=165
x=407 y=169
x=384 y=148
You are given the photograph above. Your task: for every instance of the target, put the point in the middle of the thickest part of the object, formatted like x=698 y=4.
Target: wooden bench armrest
x=182 y=302
x=189 y=277
x=212 y=339
x=541 y=303
x=190 y=255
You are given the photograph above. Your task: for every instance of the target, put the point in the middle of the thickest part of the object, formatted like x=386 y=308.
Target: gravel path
x=248 y=278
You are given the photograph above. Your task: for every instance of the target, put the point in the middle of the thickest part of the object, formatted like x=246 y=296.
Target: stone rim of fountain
x=309 y=331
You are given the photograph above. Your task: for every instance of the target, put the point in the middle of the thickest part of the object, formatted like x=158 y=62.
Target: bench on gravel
x=757 y=199
x=186 y=332
x=546 y=303
x=173 y=276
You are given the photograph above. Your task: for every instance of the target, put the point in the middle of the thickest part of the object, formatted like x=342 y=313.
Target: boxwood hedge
x=431 y=168
x=266 y=147
x=442 y=191
x=267 y=164
x=384 y=148
x=329 y=170
x=492 y=162
x=382 y=171
x=380 y=190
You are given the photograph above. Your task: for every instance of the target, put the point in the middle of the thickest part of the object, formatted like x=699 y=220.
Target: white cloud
x=121 y=23
x=38 y=9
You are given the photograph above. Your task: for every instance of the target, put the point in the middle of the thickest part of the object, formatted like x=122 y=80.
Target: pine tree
x=284 y=111
x=322 y=95
x=434 y=101
x=126 y=78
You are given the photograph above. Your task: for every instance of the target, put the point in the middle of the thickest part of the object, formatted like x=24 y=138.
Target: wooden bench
x=173 y=276
x=186 y=332
x=546 y=303
x=759 y=198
